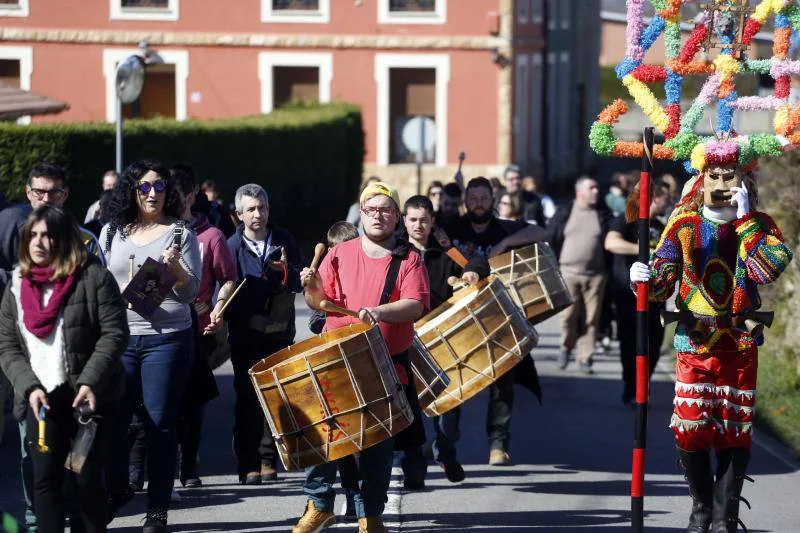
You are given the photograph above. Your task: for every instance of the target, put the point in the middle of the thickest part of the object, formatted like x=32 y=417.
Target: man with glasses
x=481 y=233
x=355 y=275
x=532 y=209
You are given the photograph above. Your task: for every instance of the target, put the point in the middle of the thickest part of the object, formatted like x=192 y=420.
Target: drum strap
x=398 y=254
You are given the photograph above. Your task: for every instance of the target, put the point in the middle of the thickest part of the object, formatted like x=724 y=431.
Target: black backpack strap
x=399 y=253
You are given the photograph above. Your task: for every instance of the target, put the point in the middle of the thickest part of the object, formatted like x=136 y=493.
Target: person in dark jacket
x=260 y=323
x=63 y=330
x=12 y=219
x=576 y=233
x=418 y=219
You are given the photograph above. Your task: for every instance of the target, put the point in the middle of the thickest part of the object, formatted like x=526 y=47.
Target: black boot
x=697 y=471
x=731 y=466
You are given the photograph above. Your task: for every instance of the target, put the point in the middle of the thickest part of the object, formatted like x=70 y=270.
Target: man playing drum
x=418 y=219
x=480 y=233
x=353 y=275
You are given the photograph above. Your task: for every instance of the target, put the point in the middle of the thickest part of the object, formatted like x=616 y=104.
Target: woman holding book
x=62 y=333
x=155 y=258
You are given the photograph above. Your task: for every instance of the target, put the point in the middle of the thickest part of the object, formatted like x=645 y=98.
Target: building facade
x=484 y=71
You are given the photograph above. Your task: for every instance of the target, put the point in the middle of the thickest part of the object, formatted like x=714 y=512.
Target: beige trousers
x=579 y=321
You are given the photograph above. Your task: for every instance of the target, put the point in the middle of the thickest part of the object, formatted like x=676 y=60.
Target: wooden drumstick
x=319 y=251
x=457 y=257
x=231 y=297
x=461 y=157
x=330 y=307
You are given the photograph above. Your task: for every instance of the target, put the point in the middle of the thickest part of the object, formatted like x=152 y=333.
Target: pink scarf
x=41 y=321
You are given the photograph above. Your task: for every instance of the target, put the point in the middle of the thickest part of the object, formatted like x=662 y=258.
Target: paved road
x=571 y=469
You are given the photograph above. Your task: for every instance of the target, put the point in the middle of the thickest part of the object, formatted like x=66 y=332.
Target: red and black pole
x=642 y=344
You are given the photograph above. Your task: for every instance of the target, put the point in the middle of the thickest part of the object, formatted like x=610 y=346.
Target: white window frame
x=267 y=61
x=521 y=108
x=295 y=16
x=383 y=63
x=23 y=54
x=523 y=11
x=180 y=58
x=22 y=9
x=387 y=17
x=117 y=12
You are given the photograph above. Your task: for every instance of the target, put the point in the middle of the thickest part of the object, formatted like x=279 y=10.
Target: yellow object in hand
x=41 y=445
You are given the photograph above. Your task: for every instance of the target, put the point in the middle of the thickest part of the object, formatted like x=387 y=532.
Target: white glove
x=741 y=200
x=640 y=273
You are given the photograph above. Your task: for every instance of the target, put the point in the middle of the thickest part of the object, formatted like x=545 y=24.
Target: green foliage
x=308 y=158
x=779 y=361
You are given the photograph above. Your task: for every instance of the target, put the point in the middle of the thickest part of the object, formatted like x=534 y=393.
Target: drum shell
x=533 y=279
x=308 y=386
x=429 y=378
x=476 y=336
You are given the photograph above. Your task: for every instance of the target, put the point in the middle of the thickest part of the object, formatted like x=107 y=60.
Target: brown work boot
x=268 y=472
x=371 y=524
x=499 y=458
x=314 y=520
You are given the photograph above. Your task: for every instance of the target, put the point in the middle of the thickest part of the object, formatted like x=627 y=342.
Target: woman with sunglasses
x=146 y=224
x=62 y=333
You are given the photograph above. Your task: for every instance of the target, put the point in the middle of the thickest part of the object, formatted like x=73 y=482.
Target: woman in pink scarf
x=62 y=334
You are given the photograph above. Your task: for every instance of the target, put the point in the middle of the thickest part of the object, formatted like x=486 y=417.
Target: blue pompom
x=725 y=113
x=673 y=87
x=626 y=66
x=782 y=21
x=687 y=166
x=653 y=31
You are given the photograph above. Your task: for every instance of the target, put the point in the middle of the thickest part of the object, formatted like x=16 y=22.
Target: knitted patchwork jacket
x=719 y=267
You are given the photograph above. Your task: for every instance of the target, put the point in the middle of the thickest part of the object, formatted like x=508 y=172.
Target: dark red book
x=149 y=287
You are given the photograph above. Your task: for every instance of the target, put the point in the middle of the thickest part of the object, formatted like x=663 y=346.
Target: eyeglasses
x=54 y=193
x=372 y=212
x=145 y=187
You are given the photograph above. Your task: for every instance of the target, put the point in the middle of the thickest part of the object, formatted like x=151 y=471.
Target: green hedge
x=308 y=158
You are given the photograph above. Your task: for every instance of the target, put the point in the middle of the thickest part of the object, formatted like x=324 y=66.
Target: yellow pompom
x=698 y=157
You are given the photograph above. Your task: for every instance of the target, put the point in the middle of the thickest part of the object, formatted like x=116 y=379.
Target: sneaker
x=499 y=458
x=156 y=522
x=585 y=367
x=251 y=478
x=268 y=473
x=563 y=359
x=605 y=342
x=314 y=520
x=371 y=524
x=192 y=482
x=454 y=471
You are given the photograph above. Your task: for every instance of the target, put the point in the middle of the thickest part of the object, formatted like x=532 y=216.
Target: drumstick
x=231 y=297
x=461 y=157
x=456 y=282
x=319 y=251
x=330 y=307
x=132 y=259
x=457 y=257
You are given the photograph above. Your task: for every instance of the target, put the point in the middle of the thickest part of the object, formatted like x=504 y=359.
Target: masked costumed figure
x=718 y=248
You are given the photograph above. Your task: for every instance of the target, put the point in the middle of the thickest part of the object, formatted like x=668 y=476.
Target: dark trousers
x=49 y=474
x=447 y=434
x=157 y=369
x=252 y=439
x=137 y=440
x=501 y=405
x=625 y=303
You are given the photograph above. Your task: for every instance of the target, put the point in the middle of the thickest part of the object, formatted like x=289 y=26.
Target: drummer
x=418 y=219
x=481 y=233
x=354 y=275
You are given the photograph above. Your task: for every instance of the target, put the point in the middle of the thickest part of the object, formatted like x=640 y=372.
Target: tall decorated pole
x=642 y=344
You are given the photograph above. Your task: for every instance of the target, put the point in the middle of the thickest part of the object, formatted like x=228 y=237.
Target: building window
x=410 y=85
x=14 y=8
x=158 y=95
x=522 y=11
x=412 y=93
x=552 y=14
x=16 y=67
x=296 y=11
x=164 y=93
x=294 y=77
x=144 y=9
x=412 y=11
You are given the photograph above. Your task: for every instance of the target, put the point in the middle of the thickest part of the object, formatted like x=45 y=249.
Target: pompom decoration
x=678 y=126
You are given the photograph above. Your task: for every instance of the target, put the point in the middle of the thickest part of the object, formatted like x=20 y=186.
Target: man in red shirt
x=353 y=275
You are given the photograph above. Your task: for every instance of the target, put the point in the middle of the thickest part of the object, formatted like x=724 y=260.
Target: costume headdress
x=731 y=26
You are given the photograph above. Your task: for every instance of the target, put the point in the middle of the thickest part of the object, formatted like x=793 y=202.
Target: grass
x=778 y=405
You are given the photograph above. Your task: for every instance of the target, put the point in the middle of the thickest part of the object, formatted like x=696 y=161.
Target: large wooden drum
x=533 y=279
x=476 y=336
x=331 y=395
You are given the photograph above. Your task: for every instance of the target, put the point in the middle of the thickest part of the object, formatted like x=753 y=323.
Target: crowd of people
x=125 y=317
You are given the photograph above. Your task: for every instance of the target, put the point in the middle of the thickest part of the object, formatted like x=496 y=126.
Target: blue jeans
x=375 y=472
x=447 y=434
x=157 y=369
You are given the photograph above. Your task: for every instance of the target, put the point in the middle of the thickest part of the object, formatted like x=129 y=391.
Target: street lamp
x=129 y=83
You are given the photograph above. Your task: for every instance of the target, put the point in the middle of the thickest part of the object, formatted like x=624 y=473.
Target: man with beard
x=480 y=233
x=354 y=275
x=418 y=219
